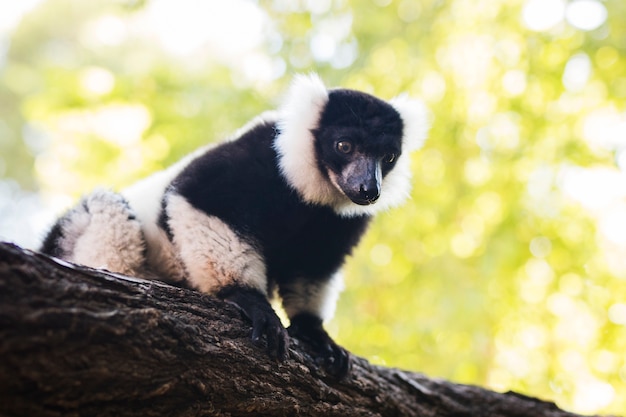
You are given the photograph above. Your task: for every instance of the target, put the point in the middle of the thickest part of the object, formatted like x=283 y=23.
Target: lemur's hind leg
x=101 y=231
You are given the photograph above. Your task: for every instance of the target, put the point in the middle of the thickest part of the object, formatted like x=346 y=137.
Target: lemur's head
x=347 y=149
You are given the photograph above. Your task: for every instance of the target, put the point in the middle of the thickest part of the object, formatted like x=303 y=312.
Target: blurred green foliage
x=502 y=270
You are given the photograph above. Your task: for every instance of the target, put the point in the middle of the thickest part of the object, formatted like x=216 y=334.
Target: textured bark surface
x=75 y=341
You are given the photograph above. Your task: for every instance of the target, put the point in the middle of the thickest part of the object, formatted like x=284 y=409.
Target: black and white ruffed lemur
x=280 y=205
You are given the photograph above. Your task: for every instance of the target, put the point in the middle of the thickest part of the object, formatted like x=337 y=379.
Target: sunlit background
x=507 y=269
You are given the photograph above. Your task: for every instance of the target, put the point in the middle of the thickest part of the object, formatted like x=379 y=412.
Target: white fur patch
x=414 y=119
x=98 y=233
x=298 y=115
x=213 y=254
x=314 y=297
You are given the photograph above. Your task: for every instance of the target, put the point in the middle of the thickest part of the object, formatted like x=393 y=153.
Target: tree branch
x=77 y=341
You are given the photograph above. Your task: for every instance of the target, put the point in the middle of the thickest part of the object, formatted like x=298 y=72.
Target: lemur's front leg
x=264 y=320
x=308 y=302
x=221 y=262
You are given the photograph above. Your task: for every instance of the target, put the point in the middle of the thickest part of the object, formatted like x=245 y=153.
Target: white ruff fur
x=414 y=119
x=300 y=113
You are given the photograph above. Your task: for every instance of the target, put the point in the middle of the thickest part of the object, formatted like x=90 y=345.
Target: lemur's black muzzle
x=361 y=180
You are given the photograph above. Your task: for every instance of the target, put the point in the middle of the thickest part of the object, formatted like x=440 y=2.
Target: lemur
x=277 y=207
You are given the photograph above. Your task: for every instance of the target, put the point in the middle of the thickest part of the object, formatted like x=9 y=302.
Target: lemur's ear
x=415 y=121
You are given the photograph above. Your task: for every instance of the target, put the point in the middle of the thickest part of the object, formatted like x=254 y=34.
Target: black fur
x=163 y=218
x=296 y=239
x=50 y=245
x=373 y=125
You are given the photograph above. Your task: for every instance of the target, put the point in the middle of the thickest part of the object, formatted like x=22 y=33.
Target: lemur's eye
x=389 y=158
x=344 y=146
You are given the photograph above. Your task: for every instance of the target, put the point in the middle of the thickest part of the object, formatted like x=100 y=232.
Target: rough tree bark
x=76 y=341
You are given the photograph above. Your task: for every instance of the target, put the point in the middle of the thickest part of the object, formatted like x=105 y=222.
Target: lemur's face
x=358 y=141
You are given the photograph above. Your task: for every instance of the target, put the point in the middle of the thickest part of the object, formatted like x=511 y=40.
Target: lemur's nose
x=370 y=191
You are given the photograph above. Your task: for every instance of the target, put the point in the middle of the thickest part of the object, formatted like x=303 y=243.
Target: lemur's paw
x=264 y=320
x=329 y=355
x=335 y=360
x=277 y=337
